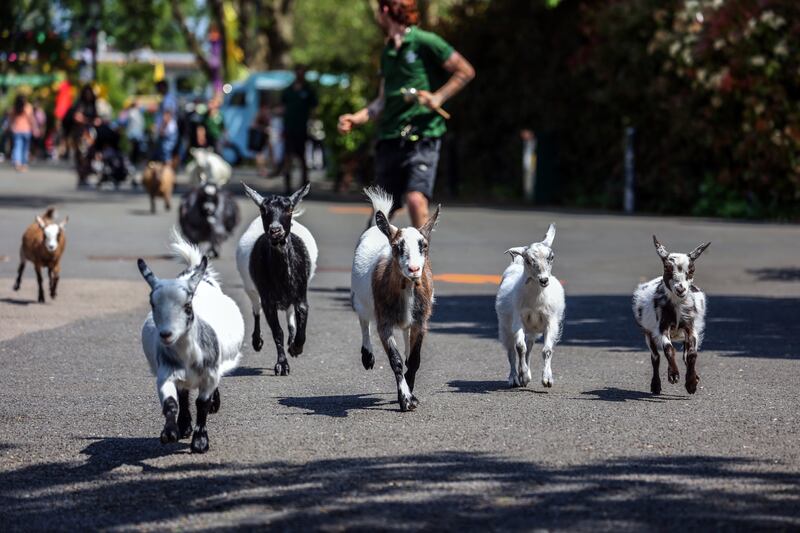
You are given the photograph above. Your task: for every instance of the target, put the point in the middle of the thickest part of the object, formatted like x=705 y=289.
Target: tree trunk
x=278 y=27
x=218 y=16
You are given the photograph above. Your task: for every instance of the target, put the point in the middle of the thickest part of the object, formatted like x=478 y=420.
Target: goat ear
x=660 y=250
x=299 y=195
x=257 y=198
x=197 y=276
x=147 y=274
x=550 y=235
x=40 y=221
x=64 y=222
x=516 y=252
x=427 y=228
x=384 y=226
x=694 y=254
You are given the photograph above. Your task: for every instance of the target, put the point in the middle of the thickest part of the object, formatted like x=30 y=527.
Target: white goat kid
x=191 y=338
x=530 y=302
x=672 y=307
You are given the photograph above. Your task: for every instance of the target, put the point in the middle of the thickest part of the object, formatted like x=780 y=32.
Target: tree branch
x=191 y=41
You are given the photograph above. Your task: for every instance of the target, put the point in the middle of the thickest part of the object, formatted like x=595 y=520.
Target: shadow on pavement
x=613 y=394
x=776 y=274
x=17 y=301
x=478 y=387
x=247 y=371
x=460 y=490
x=739 y=326
x=335 y=406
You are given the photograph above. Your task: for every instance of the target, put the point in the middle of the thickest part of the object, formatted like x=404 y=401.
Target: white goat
x=191 y=338
x=208 y=167
x=530 y=302
x=669 y=308
x=392 y=286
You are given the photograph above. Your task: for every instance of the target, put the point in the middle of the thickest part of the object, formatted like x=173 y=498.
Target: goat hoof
x=258 y=342
x=184 y=428
x=547 y=383
x=406 y=403
x=691 y=384
x=367 y=359
x=414 y=401
x=16 y=286
x=215 y=402
x=655 y=386
x=169 y=434
x=282 y=369
x=200 y=441
x=41 y=299
x=295 y=350
x=673 y=377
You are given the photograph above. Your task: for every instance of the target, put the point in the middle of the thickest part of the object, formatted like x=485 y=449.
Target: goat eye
x=187 y=309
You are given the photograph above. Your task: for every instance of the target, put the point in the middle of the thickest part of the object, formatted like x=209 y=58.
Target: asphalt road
x=327 y=448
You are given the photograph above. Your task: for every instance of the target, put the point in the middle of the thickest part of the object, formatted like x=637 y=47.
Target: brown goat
x=158 y=179
x=43 y=244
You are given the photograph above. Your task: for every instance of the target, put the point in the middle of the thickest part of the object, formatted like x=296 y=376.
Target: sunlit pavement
x=327 y=448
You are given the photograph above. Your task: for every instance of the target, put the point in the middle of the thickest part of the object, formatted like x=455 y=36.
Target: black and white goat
x=192 y=337
x=392 y=286
x=530 y=302
x=208 y=214
x=672 y=307
x=276 y=258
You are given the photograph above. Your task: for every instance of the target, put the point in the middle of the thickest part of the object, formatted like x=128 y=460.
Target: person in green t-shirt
x=409 y=132
x=298 y=101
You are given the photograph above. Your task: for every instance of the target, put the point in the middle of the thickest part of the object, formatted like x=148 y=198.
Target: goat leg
x=54 y=277
x=404 y=397
x=216 y=401
x=271 y=314
x=184 y=415
x=296 y=346
x=170 y=432
x=413 y=361
x=367 y=357
x=39 y=281
x=20 y=270
x=655 y=358
x=691 y=359
x=257 y=341
x=673 y=374
x=200 y=436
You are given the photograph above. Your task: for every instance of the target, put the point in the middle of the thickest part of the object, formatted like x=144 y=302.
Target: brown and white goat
x=158 y=179
x=43 y=245
x=392 y=286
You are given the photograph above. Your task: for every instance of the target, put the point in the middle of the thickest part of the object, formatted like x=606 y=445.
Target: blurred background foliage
x=712 y=87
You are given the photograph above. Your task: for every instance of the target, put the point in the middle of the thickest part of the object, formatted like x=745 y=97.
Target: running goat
x=530 y=302
x=191 y=338
x=671 y=308
x=208 y=214
x=43 y=243
x=276 y=258
x=392 y=286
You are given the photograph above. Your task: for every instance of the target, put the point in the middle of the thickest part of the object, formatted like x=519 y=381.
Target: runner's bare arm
x=462 y=73
x=348 y=121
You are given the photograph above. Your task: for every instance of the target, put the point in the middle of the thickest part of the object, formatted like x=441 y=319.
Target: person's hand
x=346 y=123
x=429 y=99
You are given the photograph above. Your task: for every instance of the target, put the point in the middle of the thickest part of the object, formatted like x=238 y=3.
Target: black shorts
x=403 y=166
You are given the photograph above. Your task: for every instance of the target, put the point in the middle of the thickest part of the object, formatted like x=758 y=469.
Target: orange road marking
x=350 y=210
x=468 y=279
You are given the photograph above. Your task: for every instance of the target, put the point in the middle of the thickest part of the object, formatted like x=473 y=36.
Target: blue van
x=242 y=102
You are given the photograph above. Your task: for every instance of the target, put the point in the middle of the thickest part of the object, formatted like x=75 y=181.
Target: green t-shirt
x=418 y=64
x=297 y=108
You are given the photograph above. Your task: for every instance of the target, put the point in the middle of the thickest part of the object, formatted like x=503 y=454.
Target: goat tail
x=381 y=200
x=229 y=365
x=189 y=254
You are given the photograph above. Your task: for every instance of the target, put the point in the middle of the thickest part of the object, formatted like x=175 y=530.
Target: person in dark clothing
x=299 y=100
x=410 y=129
x=79 y=119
